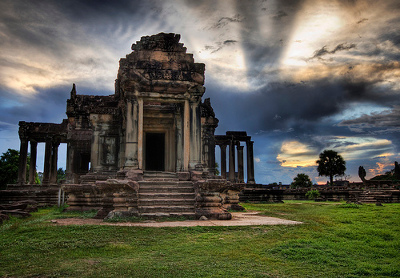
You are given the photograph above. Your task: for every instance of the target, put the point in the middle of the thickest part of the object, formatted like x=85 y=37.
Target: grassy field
x=336 y=240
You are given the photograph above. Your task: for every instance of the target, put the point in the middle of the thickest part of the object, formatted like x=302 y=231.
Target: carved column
x=23 y=157
x=250 y=162
x=54 y=158
x=232 y=161
x=240 y=164
x=95 y=164
x=195 y=134
x=140 y=133
x=47 y=162
x=70 y=171
x=32 y=166
x=179 y=139
x=223 y=161
x=131 y=136
x=186 y=136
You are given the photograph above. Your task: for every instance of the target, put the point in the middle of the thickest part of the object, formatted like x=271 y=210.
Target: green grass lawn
x=336 y=240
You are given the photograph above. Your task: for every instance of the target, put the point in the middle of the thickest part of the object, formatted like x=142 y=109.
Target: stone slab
x=238 y=219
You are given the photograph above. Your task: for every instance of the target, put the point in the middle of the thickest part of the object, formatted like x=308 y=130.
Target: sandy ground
x=238 y=219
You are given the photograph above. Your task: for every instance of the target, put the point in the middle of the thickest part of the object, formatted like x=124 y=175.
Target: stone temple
x=148 y=149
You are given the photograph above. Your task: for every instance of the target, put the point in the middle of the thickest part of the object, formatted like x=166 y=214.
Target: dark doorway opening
x=155 y=151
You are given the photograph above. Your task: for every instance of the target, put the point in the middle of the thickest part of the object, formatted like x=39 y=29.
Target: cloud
x=280 y=15
x=324 y=51
x=358 y=147
x=296 y=154
x=386 y=121
x=223 y=21
x=362 y=20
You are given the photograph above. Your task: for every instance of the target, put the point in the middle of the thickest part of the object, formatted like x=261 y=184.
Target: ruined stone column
x=186 y=136
x=231 y=161
x=47 y=162
x=23 y=157
x=131 y=136
x=223 y=161
x=140 y=134
x=54 y=158
x=179 y=141
x=95 y=146
x=70 y=169
x=250 y=162
x=240 y=164
x=32 y=166
x=195 y=135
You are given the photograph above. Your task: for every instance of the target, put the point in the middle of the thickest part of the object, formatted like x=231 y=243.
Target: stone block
x=183 y=176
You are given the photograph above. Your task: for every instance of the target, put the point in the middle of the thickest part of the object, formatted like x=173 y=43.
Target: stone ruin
x=147 y=150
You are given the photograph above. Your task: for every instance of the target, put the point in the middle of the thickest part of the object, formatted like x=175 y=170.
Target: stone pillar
x=70 y=171
x=47 y=162
x=240 y=164
x=54 y=158
x=250 y=162
x=186 y=136
x=140 y=134
x=32 y=166
x=195 y=135
x=223 y=161
x=94 y=152
x=179 y=139
x=23 y=157
x=231 y=161
x=131 y=135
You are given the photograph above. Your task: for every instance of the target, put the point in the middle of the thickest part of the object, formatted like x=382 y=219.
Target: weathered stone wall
x=104 y=196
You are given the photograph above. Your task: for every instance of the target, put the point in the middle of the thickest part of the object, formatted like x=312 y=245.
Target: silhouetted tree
x=301 y=180
x=331 y=164
x=362 y=173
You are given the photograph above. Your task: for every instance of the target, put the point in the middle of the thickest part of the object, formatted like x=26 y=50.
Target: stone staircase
x=374 y=195
x=163 y=195
x=98 y=176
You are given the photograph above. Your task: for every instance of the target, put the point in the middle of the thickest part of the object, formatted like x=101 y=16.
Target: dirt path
x=238 y=219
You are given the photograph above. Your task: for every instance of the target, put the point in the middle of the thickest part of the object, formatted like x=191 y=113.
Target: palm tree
x=331 y=164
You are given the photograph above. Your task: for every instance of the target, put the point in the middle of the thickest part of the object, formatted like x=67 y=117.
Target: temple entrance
x=155 y=151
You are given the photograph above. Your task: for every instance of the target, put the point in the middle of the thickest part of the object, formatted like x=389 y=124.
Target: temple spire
x=73 y=91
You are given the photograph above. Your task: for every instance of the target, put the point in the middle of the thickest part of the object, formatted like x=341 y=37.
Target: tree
x=216 y=169
x=60 y=175
x=331 y=164
x=9 y=164
x=301 y=180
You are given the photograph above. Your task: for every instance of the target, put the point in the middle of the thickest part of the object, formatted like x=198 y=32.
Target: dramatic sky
x=298 y=76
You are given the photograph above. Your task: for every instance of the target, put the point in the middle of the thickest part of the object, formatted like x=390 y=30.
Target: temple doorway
x=155 y=151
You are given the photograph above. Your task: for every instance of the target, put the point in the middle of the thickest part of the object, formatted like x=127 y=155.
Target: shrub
x=312 y=194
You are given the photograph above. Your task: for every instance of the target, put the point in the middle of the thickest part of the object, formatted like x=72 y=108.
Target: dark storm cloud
x=296 y=108
x=46 y=106
x=388 y=120
x=324 y=51
x=54 y=25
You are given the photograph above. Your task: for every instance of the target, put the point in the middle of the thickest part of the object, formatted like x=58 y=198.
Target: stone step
x=150 y=215
x=166 y=189
x=166 y=202
x=166 y=209
x=166 y=183
x=167 y=195
x=160 y=176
